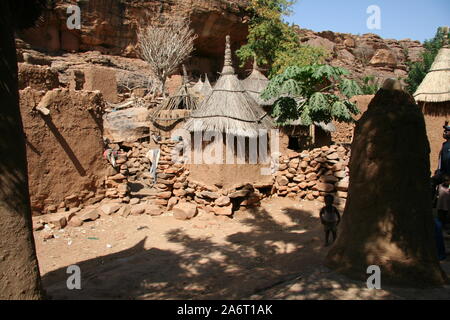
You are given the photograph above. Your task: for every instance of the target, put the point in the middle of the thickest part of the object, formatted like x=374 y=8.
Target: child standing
x=330 y=218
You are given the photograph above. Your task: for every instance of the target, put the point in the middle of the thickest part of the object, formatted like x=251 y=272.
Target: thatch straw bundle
x=435 y=87
x=183 y=99
x=229 y=108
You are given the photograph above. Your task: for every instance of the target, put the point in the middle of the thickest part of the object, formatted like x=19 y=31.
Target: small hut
x=229 y=111
x=176 y=108
x=433 y=96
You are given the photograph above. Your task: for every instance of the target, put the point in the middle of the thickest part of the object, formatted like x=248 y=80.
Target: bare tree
x=166 y=46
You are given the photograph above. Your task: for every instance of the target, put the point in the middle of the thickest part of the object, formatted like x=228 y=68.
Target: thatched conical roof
x=183 y=99
x=435 y=87
x=229 y=108
x=206 y=89
x=255 y=84
x=196 y=88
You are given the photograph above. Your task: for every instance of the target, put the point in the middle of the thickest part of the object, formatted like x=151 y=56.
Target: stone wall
x=312 y=174
x=308 y=175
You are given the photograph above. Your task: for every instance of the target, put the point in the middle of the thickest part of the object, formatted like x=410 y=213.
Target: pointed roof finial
x=228 y=63
x=255 y=63
x=185 y=75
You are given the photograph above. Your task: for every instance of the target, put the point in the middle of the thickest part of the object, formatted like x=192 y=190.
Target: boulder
x=222 y=201
x=109 y=208
x=184 y=211
x=153 y=210
x=282 y=180
x=224 y=211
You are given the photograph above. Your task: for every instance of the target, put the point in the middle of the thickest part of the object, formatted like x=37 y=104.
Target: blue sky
x=400 y=19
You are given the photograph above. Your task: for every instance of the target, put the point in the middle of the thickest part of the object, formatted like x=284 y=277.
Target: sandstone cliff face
x=368 y=54
x=108 y=27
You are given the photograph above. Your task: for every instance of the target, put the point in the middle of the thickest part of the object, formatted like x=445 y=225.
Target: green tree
x=274 y=42
x=369 y=85
x=418 y=70
x=312 y=93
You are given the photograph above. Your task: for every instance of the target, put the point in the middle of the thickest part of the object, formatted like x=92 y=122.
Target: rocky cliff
x=109 y=28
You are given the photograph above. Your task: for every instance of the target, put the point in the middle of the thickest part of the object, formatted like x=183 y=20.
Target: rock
x=59 y=222
x=341 y=194
x=134 y=201
x=138 y=209
x=124 y=211
x=384 y=58
x=282 y=181
x=118 y=177
x=349 y=43
x=222 y=201
x=181 y=192
x=184 y=211
x=340 y=174
x=342 y=186
x=240 y=194
x=89 y=215
x=72 y=201
x=171 y=203
x=37 y=226
x=47 y=235
x=333 y=156
x=161 y=202
x=75 y=222
x=311 y=176
x=153 y=210
x=224 y=211
x=165 y=195
x=209 y=195
x=109 y=208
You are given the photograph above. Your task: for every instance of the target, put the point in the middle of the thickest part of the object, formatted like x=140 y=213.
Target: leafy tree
x=313 y=93
x=274 y=42
x=369 y=85
x=418 y=70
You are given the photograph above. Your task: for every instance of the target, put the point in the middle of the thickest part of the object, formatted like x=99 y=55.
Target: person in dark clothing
x=443 y=162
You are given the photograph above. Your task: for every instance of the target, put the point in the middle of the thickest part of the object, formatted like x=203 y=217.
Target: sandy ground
x=273 y=252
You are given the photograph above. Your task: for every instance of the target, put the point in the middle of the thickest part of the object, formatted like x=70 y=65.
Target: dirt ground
x=273 y=252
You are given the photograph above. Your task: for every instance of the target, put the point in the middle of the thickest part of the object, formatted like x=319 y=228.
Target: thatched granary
x=229 y=108
x=229 y=111
x=433 y=96
x=255 y=84
x=176 y=108
x=197 y=87
x=206 y=88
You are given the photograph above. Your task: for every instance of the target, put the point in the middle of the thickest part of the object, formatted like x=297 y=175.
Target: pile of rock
x=312 y=174
x=116 y=182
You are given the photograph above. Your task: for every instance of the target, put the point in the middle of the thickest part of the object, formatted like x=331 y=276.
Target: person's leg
x=327 y=237
x=334 y=235
x=441 y=216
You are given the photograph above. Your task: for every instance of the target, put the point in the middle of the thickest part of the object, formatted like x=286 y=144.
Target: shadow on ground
x=273 y=260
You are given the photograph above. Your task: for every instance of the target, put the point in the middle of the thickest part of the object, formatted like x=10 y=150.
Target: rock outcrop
x=109 y=27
